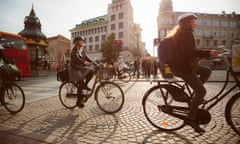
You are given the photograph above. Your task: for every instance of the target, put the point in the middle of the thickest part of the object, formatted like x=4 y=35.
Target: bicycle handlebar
x=223 y=51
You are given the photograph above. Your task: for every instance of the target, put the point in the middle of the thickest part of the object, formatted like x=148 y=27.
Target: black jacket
x=77 y=60
x=185 y=53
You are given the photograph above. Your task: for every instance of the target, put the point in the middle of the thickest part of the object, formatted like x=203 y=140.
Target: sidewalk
x=47 y=121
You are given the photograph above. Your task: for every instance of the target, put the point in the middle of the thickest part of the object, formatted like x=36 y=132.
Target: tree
x=109 y=49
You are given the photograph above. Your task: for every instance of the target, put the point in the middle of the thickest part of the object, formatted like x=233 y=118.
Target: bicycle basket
x=62 y=75
x=9 y=72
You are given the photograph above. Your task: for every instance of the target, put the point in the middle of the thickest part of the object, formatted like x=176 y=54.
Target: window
x=120 y=25
x=198 y=42
x=215 y=42
x=103 y=37
x=90 y=39
x=120 y=15
x=207 y=43
x=207 y=22
x=97 y=47
x=90 y=48
x=224 y=33
x=113 y=17
x=112 y=26
x=224 y=23
x=224 y=42
x=96 y=38
x=120 y=34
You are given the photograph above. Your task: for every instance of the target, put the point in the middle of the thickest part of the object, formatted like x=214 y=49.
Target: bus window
x=15 y=49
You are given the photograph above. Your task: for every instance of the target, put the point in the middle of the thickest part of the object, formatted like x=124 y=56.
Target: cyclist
x=81 y=62
x=185 y=63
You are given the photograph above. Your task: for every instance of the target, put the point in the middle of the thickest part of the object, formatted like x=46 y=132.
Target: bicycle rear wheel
x=153 y=101
x=13 y=98
x=125 y=77
x=109 y=97
x=232 y=113
x=68 y=95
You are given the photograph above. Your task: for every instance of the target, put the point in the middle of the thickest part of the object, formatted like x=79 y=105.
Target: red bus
x=16 y=50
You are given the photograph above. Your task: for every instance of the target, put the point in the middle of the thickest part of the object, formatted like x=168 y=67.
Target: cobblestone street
x=47 y=121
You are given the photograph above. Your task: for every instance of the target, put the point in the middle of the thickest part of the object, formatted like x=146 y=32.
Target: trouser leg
x=204 y=73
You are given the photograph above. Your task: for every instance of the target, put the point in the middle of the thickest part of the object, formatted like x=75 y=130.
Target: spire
x=32 y=13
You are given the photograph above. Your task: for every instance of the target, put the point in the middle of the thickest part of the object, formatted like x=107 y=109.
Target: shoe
x=195 y=126
x=80 y=104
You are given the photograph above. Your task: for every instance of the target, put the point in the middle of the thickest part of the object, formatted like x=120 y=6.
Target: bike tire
x=153 y=99
x=232 y=113
x=109 y=97
x=13 y=98
x=68 y=94
x=125 y=77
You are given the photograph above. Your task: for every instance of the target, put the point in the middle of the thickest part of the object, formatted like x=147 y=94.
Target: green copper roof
x=92 y=21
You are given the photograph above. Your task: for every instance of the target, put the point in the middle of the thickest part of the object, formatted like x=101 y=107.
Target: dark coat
x=77 y=62
x=185 y=53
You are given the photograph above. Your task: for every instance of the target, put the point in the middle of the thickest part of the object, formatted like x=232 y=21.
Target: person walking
x=185 y=63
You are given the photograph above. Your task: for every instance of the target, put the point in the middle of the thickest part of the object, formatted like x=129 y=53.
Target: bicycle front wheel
x=68 y=95
x=232 y=113
x=109 y=97
x=13 y=98
x=153 y=101
x=125 y=77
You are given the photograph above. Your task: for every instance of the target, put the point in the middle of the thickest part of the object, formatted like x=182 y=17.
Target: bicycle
x=12 y=96
x=109 y=73
x=108 y=95
x=166 y=104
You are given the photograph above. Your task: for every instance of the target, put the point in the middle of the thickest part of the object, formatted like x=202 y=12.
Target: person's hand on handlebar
x=87 y=63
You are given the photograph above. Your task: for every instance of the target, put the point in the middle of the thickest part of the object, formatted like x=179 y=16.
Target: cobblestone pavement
x=47 y=121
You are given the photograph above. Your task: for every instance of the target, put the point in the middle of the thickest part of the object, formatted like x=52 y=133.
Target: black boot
x=194 y=125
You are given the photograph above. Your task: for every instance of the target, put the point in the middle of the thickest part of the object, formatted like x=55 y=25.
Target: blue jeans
x=195 y=81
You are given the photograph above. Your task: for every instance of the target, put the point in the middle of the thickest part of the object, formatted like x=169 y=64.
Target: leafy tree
x=108 y=49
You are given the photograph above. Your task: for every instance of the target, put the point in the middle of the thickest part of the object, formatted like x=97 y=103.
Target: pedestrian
x=185 y=63
x=136 y=67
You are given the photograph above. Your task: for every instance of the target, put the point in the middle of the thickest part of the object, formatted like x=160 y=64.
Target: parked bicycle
x=166 y=104
x=12 y=96
x=109 y=73
x=108 y=95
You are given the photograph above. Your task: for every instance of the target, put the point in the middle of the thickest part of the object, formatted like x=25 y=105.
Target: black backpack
x=166 y=57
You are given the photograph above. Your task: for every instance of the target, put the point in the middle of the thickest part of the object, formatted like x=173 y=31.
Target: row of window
x=214 y=23
x=212 y=43
x=91 y=31
x=90 y=48
x=215 y=33
x=206 y=33
x=120 y=26
x=120 y=16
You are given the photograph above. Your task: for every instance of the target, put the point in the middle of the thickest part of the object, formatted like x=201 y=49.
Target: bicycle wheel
x=152 y=102
x=232 y=113
x=125 y=77
x=68 y=95
x=13 y=98
x=109 y=97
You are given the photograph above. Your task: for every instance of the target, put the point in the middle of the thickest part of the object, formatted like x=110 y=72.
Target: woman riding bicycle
x=81 y=62
x=185 y=64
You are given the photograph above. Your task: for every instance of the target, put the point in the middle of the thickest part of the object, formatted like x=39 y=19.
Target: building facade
x=212 y=30
x=119 y=20
x=59 y=51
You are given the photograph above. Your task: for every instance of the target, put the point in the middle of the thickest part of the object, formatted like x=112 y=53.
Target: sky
x=59 y=16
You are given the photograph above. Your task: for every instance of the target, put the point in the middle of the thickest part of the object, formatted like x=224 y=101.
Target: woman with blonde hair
x=185 y=63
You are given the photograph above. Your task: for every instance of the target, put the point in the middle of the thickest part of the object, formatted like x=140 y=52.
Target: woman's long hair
x=176 y=33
